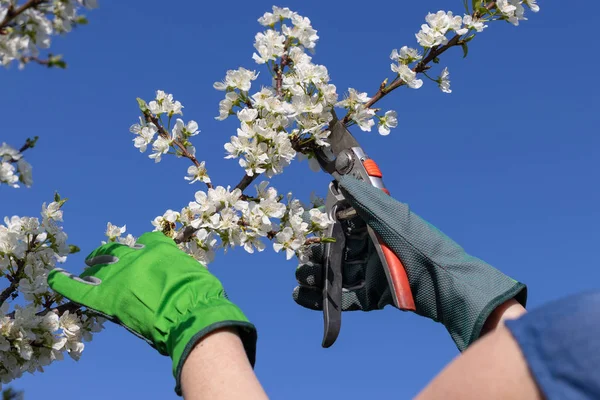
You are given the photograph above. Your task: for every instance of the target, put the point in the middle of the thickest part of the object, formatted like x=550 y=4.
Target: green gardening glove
x=448 y=285
x=159 y=293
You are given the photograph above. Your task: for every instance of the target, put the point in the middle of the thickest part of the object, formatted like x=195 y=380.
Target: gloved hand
x=448 y=285
x=157 y=292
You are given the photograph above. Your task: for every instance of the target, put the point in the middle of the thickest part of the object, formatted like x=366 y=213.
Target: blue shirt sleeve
x=561 y=344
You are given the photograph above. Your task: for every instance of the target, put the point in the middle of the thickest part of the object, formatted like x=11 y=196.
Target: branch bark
x=422 y=66
x=14 y=282
x=246 y=181
x=15 y=12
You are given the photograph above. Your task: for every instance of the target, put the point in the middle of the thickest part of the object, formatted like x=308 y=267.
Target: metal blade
x=340 y=138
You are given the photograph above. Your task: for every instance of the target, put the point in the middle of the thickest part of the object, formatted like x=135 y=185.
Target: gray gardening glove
x=448 y=285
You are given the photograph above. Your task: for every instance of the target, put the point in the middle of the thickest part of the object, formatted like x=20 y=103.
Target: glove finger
x=108 y=254
x=155 y=237
x=315 y=253
x=310 y=275
x=81 y=290
x=312 y=298
x=308 y=297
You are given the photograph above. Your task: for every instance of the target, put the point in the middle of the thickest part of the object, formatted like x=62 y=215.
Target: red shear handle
x=396 y=272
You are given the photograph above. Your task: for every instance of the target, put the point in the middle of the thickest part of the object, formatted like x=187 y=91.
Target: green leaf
x=469 y=38
x=476 y=4
x=56 y=61
x=81 y=20
x=465 y=48
x=436 y=60
x=31 y=142
x=73 y=249
x=142 y=104
x=327 y=240
x=56 y=197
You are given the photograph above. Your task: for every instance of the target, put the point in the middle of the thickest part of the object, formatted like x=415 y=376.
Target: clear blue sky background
x=507 y=165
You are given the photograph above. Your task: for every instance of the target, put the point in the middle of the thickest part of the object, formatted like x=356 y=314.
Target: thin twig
x=162 y=132
x=38 y=60
x=29 y=144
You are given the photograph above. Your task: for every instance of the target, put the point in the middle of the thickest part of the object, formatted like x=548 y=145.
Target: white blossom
x=114 y=231
x=532 y=4
x=354 y=98
x=30 y=31
x=363 y=117
x=406 y=55
x=428 y=37
x=237 y=79
x=513 y=10
x=320 y=219
x=407 y=75
x=474 y=23
x=247 y=114
x=302 y=30
x=182 y=130
x=388 y=121
x=444 y=81
x=31 y=337
x=160 y=146
x=269 y=19
x=165 y=104
x=269 y=45
x=197 y=173
x=145 y=134
x=226 y=105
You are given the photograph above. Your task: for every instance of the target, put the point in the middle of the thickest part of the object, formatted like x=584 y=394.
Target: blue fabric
x=561 y=343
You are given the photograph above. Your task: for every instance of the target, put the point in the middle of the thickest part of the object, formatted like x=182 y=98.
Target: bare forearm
x=511 y=309
x=492 y=368
x=218 y=369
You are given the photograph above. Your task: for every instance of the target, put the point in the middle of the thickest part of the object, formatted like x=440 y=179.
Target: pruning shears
x=345 y=156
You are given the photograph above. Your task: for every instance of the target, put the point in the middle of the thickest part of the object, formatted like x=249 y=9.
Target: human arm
x=218 y=368
x=160 y=294
x=492 y=368
x=449 y=286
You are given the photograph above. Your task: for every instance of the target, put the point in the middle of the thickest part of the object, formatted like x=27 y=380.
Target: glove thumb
x=380 y=211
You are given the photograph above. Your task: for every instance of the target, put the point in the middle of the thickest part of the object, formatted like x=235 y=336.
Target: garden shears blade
x=345 y=156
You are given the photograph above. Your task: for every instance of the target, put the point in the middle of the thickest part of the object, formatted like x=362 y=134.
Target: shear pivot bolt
x=344 y=163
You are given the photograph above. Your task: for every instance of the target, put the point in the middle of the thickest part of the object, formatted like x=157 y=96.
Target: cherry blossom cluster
x=283 y=120
x=434 y=40
x=27 y=27
x=224 y=218
x=13 y=167
x=33 y=333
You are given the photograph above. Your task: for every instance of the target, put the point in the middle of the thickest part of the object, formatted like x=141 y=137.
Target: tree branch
x=14 y=282
x=61 y=309
x=421 y=67
x=246 y=181
x=14 y=279
x=15 y=12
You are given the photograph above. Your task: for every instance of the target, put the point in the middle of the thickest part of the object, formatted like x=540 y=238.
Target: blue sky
x=507 y=166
